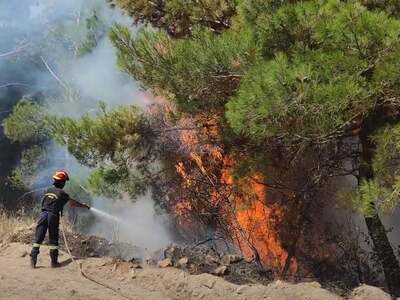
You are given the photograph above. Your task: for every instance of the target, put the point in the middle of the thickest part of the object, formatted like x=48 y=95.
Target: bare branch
x=13 y=52
x=13 y=84
x=54 y=74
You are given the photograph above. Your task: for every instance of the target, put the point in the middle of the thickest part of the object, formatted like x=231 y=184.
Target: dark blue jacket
x=54 y=200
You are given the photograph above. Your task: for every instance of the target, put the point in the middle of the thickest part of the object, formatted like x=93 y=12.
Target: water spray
x=99 y=212
x=106 y=215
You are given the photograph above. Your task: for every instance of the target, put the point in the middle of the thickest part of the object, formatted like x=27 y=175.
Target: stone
x=210 y=260
x=240 y=290
x=172 y=252
x=135 y=266
x=72 y=292
x=229 y=259
x=114 y=268
x=24 y=253
x=314 y=284
x=165 y=263
x=209 y=283
x=181 y=287
x=183 y=262
x=366 y=292
x=221 y=270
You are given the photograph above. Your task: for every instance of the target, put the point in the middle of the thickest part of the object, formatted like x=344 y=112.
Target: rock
x=183 y=262
x=240 y=290
x=209 y=283
x=72 y=292
x=114 y=268
x=366 y=292
x=221 y=270
x=24 y=253
x=314 y=284
x=181 y=287
x=135 y=266
x=172 y=252
x=210 y=260
x=165 y=263
x=229 y=259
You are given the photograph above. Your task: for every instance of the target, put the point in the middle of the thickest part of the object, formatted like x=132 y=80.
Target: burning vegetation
x=271 y=124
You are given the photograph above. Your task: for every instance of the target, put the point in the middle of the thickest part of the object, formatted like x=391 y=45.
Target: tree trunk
x=385 y=253
x=376 y=229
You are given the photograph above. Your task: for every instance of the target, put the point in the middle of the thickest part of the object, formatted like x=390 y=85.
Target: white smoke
x=139 y=224
x=44 y=30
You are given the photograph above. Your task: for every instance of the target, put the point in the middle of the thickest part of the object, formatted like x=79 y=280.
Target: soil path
x=19 y=281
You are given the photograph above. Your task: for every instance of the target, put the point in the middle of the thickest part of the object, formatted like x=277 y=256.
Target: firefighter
x=52 y=206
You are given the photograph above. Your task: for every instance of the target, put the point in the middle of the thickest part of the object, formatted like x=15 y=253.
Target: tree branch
x=13 y=52
x=54 y=74
x=13 y=84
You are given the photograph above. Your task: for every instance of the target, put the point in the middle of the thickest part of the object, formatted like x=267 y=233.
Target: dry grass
x=9 y=223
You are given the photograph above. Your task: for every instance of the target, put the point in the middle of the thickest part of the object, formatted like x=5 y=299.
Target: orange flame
x=243 y=204
x=256 y=222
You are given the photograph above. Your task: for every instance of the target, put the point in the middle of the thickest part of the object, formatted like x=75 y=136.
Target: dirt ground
x=19 y=282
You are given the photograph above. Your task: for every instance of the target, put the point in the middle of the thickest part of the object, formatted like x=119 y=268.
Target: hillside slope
x=19 y=281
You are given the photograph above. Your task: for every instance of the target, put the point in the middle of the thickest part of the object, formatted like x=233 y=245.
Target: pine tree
x=330 y=75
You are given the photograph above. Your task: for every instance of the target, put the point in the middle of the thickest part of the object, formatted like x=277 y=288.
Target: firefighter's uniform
x=52 y=205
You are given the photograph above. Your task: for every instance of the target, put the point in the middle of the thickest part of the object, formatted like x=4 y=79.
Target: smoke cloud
x=43 y=35
x=135 y=222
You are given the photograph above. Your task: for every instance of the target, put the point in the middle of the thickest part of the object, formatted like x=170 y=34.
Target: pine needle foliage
x=179 y=17
x=386 y=165
x=27 y=123
x=328 y=66
x=29 y=164
x=197 y=73
x=316 y=81
x=109 y=136
x=310 y=95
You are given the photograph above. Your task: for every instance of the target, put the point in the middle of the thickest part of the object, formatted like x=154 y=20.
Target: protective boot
x=54 y=259
x=34 y=254
x=33 y=260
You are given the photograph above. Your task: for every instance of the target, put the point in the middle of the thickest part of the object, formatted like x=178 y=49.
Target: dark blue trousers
x=47 y=222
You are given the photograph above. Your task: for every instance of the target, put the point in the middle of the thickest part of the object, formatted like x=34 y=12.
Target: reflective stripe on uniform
x=36 y=245
x=51 y=196
x=52 y=247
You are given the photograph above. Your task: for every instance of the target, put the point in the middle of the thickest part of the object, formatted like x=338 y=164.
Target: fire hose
x=80 y=268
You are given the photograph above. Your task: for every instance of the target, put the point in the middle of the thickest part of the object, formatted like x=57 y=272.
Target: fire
x=253 y=222
x=256 y=222
x=183 y=207
x=241 y=205
x=180 y=169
